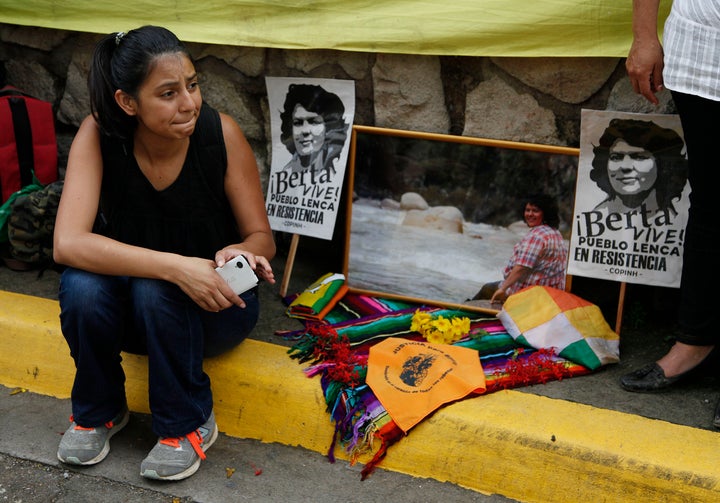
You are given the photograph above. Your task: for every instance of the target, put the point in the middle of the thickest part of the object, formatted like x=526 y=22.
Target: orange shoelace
x=195 y=439
x=108 y=425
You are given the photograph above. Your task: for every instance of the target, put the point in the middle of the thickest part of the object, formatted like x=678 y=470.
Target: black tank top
x=191 y=217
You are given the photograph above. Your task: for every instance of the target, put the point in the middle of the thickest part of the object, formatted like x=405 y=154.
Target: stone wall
x=535 y=100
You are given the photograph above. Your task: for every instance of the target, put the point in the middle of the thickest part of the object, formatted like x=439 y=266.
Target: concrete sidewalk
x=235 y=470
x=581 y=439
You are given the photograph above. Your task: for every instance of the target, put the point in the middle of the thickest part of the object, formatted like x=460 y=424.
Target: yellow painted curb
x=259 y=391
x=526 y=447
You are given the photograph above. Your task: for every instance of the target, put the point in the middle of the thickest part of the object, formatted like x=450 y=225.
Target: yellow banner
x=582 y=28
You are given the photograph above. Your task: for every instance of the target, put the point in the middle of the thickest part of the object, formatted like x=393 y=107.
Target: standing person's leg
x=697 y=313
x=698 y=310
x=93 y=318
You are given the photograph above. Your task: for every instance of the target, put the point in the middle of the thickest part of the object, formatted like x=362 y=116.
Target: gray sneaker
x=178 y=458
x=88 y=446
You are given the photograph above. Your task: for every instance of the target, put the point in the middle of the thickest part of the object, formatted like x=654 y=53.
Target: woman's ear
x=126 y=102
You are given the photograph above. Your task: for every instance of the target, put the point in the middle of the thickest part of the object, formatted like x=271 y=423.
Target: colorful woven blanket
x=337 y=348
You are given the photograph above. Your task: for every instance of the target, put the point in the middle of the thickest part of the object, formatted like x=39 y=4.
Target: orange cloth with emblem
x=411 y=379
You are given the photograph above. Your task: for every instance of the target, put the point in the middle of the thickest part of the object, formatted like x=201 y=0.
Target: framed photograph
x=432 y=217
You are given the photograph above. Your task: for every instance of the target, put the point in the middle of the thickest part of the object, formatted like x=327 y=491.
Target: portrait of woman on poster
x=313 y=128
x=640 y=165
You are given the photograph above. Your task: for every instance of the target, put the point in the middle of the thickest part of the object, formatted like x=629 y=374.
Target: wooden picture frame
x=387 y=257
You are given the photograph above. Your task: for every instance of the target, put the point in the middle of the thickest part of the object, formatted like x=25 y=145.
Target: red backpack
x=27 y=141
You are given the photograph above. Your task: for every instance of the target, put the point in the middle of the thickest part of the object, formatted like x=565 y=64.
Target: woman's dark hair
x=123 y=61
x=547 y=205
x=665 y=144
x=314 y=99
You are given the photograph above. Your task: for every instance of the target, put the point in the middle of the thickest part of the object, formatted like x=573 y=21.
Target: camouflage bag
x=31 y=224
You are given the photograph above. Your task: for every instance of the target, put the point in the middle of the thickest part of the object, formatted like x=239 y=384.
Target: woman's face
x=631 y=170
x=168 y=102
x=533 y=215
x=308 y=131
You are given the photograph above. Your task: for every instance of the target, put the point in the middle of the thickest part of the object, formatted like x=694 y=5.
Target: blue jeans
x=101 y=316
x=698 y=311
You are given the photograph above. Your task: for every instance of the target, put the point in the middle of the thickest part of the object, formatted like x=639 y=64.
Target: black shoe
x=716 y=419
x=648 y=379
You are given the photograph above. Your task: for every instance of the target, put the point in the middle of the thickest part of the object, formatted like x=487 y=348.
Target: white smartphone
x=238 y=274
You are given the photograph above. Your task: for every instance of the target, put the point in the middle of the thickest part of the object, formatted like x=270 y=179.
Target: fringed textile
x=338 y=353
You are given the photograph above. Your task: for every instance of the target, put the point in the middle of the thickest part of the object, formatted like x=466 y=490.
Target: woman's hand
x=517 y=273
x=498 y=297
x=259 y=264
x=644 y=66
x=198 y=278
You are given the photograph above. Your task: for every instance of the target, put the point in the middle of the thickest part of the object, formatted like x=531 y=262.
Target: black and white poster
x=311 y=122
x=631 y=199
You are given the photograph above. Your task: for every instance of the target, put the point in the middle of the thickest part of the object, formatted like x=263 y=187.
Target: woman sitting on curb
x=160 y=190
